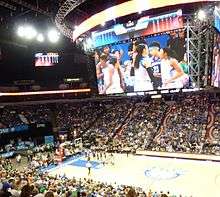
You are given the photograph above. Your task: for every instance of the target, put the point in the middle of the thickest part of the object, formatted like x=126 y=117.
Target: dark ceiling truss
x=8 y=6
x=12 y=5
x=19 y=8
x=32 y=7
x=67 y=7
x=81 y=12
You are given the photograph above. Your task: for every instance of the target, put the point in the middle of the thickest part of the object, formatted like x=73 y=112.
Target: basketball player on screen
x=99 y=74
x=112 y=77
x=171 y=73
x=132 y=52
x=142 y=79
x=118 y=85
x=216 y=62
x=107 y=51
x=154 y=50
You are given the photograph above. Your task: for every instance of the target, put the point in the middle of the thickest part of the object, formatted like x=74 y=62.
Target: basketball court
x=179 y=176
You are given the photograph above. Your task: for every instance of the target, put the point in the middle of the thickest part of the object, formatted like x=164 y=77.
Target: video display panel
x=46 y=59
x=142 y=55
x=216 y=62
x=152 y=63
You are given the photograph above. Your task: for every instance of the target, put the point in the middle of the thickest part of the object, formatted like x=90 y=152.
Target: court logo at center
x=158 y=173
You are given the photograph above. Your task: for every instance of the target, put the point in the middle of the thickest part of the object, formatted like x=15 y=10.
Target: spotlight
x=179 y=12
x=53 y=36
x=201 y=15
x=30 y=32
x=40 y=38
x=140 y=11
x=21 y=31
x=80 y=39
x=75 y=27
x=103 y=24
x=89 y=43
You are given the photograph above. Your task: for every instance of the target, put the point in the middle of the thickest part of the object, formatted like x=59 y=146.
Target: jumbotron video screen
x=155 y=57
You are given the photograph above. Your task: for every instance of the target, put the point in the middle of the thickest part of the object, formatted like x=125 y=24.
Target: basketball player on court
x=89 y=165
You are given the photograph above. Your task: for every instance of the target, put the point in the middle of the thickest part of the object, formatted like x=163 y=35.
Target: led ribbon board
x=134 y=29
x=124 y=9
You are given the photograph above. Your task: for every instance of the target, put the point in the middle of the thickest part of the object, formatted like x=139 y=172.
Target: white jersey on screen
x=216 y=81
x=142 y=80
x=116 y=85
x=167 y=72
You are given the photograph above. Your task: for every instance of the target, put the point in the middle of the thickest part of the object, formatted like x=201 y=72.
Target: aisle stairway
x=146 y=120
x=210 y=123
x=123 y=125
x=213 y=126
x=164 y=120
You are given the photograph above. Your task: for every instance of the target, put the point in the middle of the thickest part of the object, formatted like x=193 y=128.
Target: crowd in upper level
x=179 y=125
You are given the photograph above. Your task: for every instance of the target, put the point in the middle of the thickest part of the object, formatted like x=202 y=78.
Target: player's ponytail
x=139 y=50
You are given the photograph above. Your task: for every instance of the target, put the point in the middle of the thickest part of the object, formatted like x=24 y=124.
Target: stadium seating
x=188 y=124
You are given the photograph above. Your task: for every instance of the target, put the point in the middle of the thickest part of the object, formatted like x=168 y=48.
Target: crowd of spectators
x=12 y=116
x=18 y=144
x=185 y=126
x=212 y=145
x=9 y=118
x=105 y=127
x=179 y=126
x=142 y=126
x=77 y=116
x=31 y=182
x=216 y=126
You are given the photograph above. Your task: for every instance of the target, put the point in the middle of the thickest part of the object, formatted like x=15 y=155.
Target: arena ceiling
x=12 y=11
x=17 y=55
x=92 y=13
